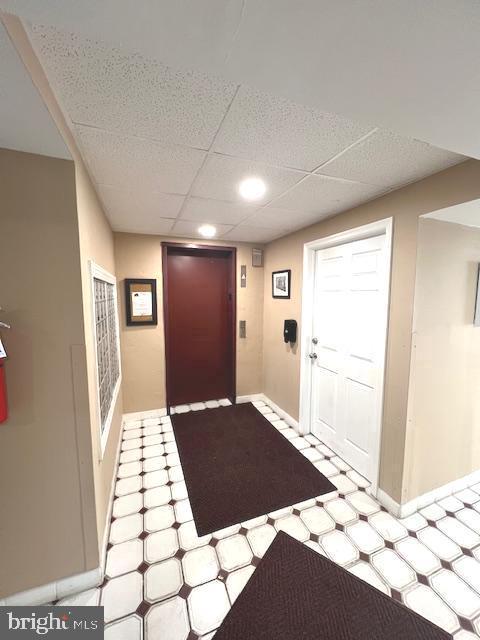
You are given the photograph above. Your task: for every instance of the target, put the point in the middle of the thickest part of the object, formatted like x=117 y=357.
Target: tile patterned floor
x=162 y=581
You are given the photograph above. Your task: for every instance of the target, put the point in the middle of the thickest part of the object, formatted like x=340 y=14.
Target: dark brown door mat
x=238 y=466
x=297 y=594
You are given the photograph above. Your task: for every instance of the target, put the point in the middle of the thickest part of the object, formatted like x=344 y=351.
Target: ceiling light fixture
x=207 y=231
x=252 y=188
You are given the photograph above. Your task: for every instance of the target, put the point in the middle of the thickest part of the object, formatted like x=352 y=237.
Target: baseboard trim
x=410 y=507
x=57 y=590
x=254 y=397
x=142 y=415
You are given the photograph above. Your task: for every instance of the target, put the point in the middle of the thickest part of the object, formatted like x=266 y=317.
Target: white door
x=348 y=338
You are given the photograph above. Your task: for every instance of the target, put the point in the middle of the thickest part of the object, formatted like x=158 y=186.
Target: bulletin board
x=141 y=301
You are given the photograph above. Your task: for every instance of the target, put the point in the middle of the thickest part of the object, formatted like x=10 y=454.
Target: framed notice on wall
x=141 y=301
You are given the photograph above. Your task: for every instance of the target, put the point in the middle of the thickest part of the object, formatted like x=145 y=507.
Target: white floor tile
x=294 y=526
x=183 y=511
x=188 y=538
x=469 y=518
x=151 y=440
x=157 y=496
x=200 y=565
x=134 y=454
x=168 y=620
x=179 y=490
x=395 y=571
x=341 y=511
x=121 y=596
x=130 y=628
x=456 y=593
x=154 y=464
x=126 y=528
x=388 y=526
x=128 y=485
x=208 y=605
x=153 y=451
x=327 y=468
x=89 y=598
x=126 y=505
x=426 y=602
x=468 y=569
x=312 y=454
x=439 y=543
x=367 y=573
x=339 y=548
x=433 y=512
x=415 y=522
x=458 y=532
x=124 y=557
x=237 y=580
x=317 y=520
x=234 y=552
x=260 y=538
x=363 y=503
x=155 y=479
x=161 y=545
x=129 y=469
x=364 y=536
x=128 y=445
x=159 y=518
x=198 y=406
x=343 y=484
x=418 y=556
x=163 y=580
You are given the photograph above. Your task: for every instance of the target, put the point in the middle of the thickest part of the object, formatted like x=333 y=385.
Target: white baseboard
x=141 y=415
x=408 y=508
x=52 y=591
x=254 y=397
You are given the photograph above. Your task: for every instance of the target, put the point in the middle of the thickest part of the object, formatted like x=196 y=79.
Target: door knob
x=315 y=340
x=312 y=356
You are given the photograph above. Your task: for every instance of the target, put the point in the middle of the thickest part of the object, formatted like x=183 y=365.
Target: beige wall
x=47 y=495
x=282 y=365
x=143 y=349
x=443 y=435
x=97 y=245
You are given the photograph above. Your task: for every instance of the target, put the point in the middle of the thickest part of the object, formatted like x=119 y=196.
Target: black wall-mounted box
x=290 y=331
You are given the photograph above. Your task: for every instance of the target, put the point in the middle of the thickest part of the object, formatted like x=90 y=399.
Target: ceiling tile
x=141 y=164
x=325 y=196
x=140 y=211
x=245 y=233
x=221 y=175
x=389 y=160
x=120 y=90
x=280 y=219
x=204 y=210
x=265 y=128
x=190 y=229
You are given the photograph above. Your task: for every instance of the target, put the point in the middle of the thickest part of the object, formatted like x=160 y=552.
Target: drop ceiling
x=167 y=144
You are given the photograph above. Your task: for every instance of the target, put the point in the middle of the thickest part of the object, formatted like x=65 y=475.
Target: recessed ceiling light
x=207 y=231
x=252 y=188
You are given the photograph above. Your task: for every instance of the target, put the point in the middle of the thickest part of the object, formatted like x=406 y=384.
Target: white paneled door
x=348 y=349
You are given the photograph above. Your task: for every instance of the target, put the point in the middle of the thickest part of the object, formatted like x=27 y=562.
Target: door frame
x=378 y=228
x=199 y=249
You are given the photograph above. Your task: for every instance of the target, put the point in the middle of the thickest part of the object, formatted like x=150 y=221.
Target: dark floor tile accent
x=109 y=546
x=314 y=537
x=256 y=561
x=142 y=567
x=339 y=527
x=446 y=565
x=144 y=535
x=466 y=624
x=396 y=595
x=180 y=553
x=389 y=544
x=364 y=556
x=222 y=574
x=142 y=490
x=432 y=523
x=143 y=510
x=192 y=636
x=244 y=531
x=176 y=525
x=422 y=579
x=105 y=582
x=112 y=519
x=467 y=552
x=296 y=512
x=363 y=517
x=341 y=495
x=213 y=542
x=412 y=534
x=143 y=608
x=142 y=473
x=172 y=502
x=185 y=591
x=169 y=483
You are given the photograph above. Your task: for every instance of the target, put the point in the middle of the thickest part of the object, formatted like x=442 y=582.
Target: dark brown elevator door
x=199 y=341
